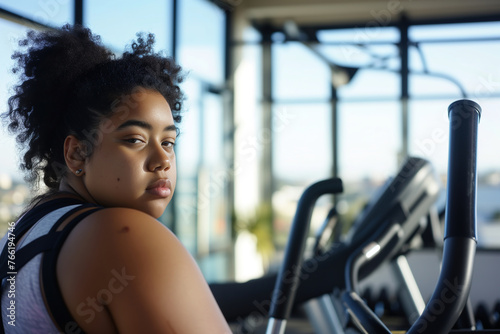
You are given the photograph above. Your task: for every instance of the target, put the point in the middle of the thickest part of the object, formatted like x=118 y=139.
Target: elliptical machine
x=452 y=290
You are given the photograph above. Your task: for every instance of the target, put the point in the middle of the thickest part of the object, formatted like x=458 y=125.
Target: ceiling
x=338 y=13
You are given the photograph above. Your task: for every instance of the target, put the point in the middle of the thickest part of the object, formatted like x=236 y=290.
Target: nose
x=159 y=160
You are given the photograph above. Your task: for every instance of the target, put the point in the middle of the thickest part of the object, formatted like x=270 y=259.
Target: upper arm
x=141 y=275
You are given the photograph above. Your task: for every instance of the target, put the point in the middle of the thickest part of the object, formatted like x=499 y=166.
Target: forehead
x=147 y=105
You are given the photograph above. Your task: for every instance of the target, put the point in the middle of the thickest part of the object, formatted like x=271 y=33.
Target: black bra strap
x=37 y=246
x=50 y=285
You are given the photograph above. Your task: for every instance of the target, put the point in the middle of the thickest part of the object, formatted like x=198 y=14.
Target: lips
x=160 y=188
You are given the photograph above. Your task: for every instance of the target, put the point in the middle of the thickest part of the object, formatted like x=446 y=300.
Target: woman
x=100 y=133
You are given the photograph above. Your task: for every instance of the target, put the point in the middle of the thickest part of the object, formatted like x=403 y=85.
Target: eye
x=132 y=140
x=168 y=144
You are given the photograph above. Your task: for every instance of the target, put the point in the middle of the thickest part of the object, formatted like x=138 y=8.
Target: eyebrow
x=144 y=125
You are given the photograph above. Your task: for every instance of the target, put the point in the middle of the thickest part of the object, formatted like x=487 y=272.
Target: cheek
x=124 y=176
x=172 y=175
x=173 y=181
x=112 y=171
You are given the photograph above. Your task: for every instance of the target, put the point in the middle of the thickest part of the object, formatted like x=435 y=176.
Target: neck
x=74 y=185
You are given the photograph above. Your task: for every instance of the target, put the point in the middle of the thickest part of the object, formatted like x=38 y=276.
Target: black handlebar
x=287 y=282
x=461 y=201
x=452 y=290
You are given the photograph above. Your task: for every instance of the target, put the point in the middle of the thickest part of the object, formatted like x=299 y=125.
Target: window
x=53 y=13
x=201 y=40
x=368 y=117
x=449 y=62
x=13 y=191
x=201 y=211
x=118 y=22
x=305 y=75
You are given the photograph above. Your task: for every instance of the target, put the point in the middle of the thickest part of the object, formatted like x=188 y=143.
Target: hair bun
x=54 y=59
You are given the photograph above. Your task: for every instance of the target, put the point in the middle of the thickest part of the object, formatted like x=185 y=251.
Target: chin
x=156 y=216
x=156 y=209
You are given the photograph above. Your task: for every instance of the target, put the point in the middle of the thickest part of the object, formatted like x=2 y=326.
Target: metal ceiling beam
x=313 y=15
x=21 y=20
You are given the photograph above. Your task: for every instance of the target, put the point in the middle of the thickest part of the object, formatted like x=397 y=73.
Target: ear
x=74 y=153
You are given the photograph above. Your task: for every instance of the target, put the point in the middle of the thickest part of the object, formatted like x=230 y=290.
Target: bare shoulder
x=118 y=236
x=157 y=282
x=119 y=222
x=114 y=237
x=121 y=236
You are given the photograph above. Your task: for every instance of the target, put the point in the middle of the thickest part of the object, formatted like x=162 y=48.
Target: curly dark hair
x=69 y=82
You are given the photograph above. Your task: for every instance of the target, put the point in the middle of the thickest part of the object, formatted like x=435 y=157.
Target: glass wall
x=13 y=190
x=202 y=219
x=362 y=116
x=446 y=62
x=118 y=22
x=449 y=62
x=302 y=142
x=47 y=12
